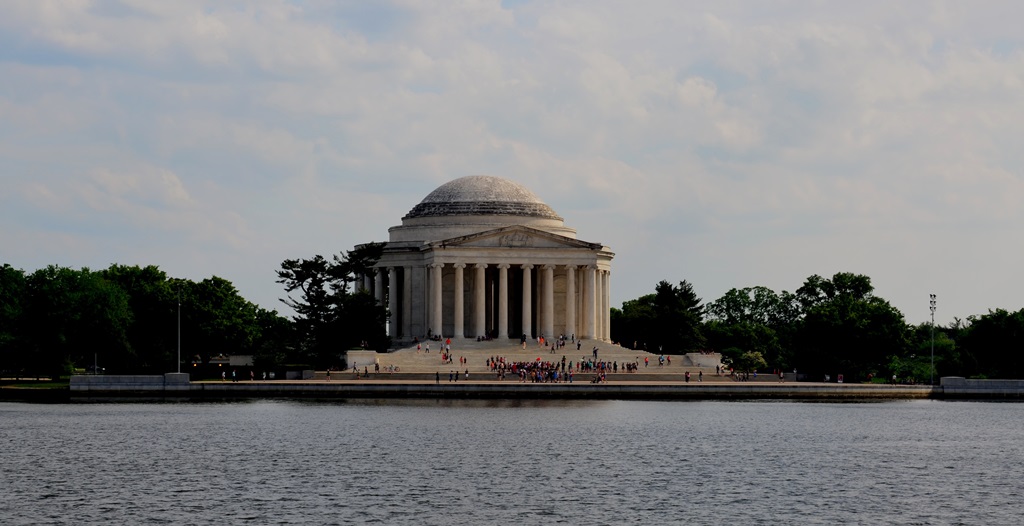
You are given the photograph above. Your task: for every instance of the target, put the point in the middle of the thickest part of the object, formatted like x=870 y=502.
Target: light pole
x=179 y=328
x=931 y=307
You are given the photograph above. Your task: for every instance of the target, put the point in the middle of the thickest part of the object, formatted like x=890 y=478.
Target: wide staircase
x=407 y=363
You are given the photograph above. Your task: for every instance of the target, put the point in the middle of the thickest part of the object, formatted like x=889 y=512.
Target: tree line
x=57 y=320
x=827 y=326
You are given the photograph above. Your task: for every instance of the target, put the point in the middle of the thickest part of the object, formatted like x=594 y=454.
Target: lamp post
x=179 y=327
x=931 y=307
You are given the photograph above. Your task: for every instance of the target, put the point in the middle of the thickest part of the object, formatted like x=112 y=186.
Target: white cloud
x=720 y=142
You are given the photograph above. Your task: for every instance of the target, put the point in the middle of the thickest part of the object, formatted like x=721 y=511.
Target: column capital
x=548 y=267
x=480 y=265
x=459 y=265
x=505 y=266
x=527 y=266
x=436 y=265
x=571 y=267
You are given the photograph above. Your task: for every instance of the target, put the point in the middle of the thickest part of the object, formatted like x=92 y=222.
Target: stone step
x=490 y=377
x=409 y=360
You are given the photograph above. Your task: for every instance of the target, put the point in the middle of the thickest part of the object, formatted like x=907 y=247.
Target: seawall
x=959 y=387
x=610 y=391
x=177 y=385
x=112 y=383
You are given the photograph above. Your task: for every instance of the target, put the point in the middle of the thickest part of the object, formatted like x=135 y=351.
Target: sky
x=728 y=144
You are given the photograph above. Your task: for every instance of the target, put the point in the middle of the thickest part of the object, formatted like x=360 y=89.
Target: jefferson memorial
x=483 y=257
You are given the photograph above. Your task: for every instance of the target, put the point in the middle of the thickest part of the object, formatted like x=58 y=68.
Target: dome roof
x=482 y=195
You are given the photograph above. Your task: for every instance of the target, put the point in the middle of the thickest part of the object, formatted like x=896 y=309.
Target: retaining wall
x=178 y=385
x=116 y=383
x=960 y=387
x=100 y=386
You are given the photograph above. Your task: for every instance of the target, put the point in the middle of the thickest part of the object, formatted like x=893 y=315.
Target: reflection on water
x=526 y=461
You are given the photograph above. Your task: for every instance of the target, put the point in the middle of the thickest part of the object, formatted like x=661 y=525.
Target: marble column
x=436 y=327
x=479 y=301
x=547 y=309
x=393 y=302
x=406 y=302
x=366 y=282
x=589 y=304
x=378 y=285
x=503 y=301
x=598 y=303
x=459 y=315
x=607 y=305
x=570 y=300
x=581 y=298
x=527 y=301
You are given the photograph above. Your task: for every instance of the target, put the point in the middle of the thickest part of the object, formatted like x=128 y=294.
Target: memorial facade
x=482 y=256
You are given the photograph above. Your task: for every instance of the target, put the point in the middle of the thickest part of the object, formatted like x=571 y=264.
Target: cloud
x=719 y=142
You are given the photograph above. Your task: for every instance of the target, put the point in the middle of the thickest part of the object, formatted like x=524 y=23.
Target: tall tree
x=754 y=319
x=329 y=318
x=216 y=319
x=12 y=295
x=72 y=316
x=668 y=320
x=153 y=303
x=276 y=344
x=845 y=329
x=995 y=342
x=680 y=314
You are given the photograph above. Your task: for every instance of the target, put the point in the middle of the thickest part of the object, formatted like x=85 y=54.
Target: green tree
x=745 y=337
x=759 y=305
x=12 y=295
x=845 y=329
x=754 y=319
x=995 y=344
x=152 y=299
x=215 y=319
x=634 y=323
x=276 y=345
x=949 y=360
x=962 y=361
x=125 y=317
x=72 y=316
x=750 y=361
x=329 y=318
x=667 y=321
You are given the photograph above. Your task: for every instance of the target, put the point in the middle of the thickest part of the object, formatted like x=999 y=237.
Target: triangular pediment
x=516 y=236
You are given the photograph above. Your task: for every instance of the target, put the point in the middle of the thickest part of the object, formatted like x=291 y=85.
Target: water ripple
x=543 y=462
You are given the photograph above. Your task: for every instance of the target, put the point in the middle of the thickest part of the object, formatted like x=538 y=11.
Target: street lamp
x=179 y=327
x=931 y=307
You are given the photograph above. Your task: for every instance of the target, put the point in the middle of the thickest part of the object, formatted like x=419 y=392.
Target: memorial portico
x=482 y=257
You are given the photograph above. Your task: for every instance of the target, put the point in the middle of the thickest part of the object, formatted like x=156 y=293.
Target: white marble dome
x=482 y=195
x=474 y=204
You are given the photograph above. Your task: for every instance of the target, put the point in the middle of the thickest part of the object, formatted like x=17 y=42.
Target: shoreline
x=623 y=390
x=176 y=386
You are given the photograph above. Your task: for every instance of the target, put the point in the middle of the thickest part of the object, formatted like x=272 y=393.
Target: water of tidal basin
x=528 y=462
